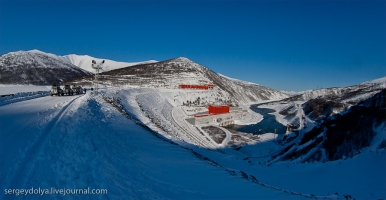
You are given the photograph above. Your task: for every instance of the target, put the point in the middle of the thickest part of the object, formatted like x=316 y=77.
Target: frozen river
x=267 y=125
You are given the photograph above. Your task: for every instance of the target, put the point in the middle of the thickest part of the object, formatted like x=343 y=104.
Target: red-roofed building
x=199 y=87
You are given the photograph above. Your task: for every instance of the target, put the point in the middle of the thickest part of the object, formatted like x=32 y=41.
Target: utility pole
x=97 y=67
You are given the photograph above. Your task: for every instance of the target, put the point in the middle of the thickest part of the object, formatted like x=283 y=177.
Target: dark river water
x=267 y=125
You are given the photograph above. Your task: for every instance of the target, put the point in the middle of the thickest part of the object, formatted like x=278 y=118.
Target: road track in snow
x=198 y=139
x=192 y=135
x=25 y=165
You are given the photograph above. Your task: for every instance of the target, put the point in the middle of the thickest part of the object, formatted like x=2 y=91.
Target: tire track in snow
x=24 y=167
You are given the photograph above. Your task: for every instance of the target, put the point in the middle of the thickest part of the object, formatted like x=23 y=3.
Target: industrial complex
x=218 y=115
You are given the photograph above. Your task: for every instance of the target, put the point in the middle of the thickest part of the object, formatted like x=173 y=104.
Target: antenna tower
x=97 y=67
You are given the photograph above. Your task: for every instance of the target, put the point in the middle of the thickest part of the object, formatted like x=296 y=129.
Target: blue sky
x=286 y=45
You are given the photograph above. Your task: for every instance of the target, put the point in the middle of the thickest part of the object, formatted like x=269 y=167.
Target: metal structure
x=97 y=67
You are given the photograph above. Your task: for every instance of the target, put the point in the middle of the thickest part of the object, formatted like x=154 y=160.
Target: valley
x=143 y=135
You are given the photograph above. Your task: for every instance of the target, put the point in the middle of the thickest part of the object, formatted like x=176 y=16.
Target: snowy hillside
x=85 y=142
x=117 y=154
x=40 y=68
x=152 y=90
x=381 y=81
x=170 y=73
x=343 y=93
x=332 y=123
x=133 y=137
x=37 y=68
x=84 y=62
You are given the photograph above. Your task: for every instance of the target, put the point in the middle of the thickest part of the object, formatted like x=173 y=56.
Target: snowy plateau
x=133 y=139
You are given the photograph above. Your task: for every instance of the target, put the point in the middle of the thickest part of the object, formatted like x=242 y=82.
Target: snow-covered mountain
x=335 y=132
x=381 y=81
x=171 y=73
x=84 y=62
x=37 y=68
x=40 y=68
x=134 y=141
x=353 y=94
x=334 y=123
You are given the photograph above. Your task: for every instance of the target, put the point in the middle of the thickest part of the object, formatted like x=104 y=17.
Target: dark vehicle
x=56 y=90
x=67 y=90
x=77 y=89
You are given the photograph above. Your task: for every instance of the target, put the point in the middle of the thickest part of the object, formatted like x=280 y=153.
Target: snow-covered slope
x=37 y=68
x=247 y=92
x=77 y=142
x=381 y=81
x=40 y=68
x=328 y=136
x=170 y=73
x=338 y=122
x=353 y=94
x=84 y=62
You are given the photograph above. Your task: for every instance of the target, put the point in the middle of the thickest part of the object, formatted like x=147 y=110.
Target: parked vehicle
x=67 y=90
x=56 y=90
x=77 y=89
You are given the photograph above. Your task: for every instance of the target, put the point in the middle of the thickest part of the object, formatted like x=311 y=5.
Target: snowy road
x=190 y=132
x=82 y=141
x=35 y=119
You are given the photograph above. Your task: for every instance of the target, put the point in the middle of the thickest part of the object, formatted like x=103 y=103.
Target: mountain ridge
x=173 y=72
x=85 y=61
x=37 y=68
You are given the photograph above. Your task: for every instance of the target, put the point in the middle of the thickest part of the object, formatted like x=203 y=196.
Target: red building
x=199 y=87
x=214 y=110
